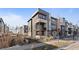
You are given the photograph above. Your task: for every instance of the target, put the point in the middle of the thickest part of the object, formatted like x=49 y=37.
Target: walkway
x=24 y=47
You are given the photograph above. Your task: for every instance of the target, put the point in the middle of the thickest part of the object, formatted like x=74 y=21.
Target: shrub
x=49 y=38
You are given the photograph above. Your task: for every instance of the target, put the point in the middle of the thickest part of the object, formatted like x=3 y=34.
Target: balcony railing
x=41 y=29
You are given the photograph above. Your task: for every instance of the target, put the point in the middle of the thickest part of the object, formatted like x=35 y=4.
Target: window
x=70 y=31
x=42 y=16
x=53 y=26
x=40 y=33
x=62 y=27
x=37 y=33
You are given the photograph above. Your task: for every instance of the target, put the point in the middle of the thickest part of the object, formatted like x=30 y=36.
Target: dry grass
x=4 y=40
x=10 y=39
x=60 y=43
x=54 y=44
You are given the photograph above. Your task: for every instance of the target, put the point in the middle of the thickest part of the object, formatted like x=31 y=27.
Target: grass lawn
x=53 y=44
x=60 y=43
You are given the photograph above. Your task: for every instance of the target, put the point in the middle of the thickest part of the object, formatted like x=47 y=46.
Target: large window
x=42 y=16
x=53 y=26
x=37 y=33
x=40 y=33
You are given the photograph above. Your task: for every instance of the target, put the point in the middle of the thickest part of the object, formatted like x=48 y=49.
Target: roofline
x=33 y=14
x=54 y=18
x=36 y=13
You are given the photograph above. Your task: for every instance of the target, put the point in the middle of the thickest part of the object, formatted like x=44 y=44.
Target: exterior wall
x=60 y=22
x=6 y=28
x=36 y=20
x=58 y=25
x=23 y=30
x=72 y=29
x=62 y=27
x=66 y=28
x=29 y=28
x=1 y=26
x=53 y=27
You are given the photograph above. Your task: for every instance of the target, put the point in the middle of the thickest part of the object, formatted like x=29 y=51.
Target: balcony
x=40 y=29
x=40 y=26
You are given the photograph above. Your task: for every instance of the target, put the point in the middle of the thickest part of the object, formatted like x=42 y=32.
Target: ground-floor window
x=40 y=33
x=37 y=33
x=70 y=31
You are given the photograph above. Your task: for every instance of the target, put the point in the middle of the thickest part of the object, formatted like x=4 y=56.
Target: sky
x=19 y=16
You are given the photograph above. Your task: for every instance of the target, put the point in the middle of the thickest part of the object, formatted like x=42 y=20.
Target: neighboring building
x=75 y=29
x=53 y=26
x=70 y=29
x=6 y=28
x=3 y=27
x=78 y=31
x=66 y=28
x=61 y=26
x=23 y=30
x=13 y=29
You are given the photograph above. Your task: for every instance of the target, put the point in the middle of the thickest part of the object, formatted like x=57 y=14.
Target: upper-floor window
x=53 y=24
x=42 y=16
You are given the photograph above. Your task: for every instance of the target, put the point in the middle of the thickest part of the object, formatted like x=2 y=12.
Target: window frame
x=42 y=16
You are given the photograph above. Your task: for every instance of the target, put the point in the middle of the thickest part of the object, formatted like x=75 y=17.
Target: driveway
x=24 y=47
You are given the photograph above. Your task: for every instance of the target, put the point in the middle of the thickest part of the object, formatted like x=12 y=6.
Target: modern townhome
x=76 y=30
x=42 y=24
x=70 y=29
x=61 y=26
x=38 y=25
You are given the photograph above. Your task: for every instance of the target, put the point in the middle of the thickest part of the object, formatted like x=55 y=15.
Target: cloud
x=14 y=20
